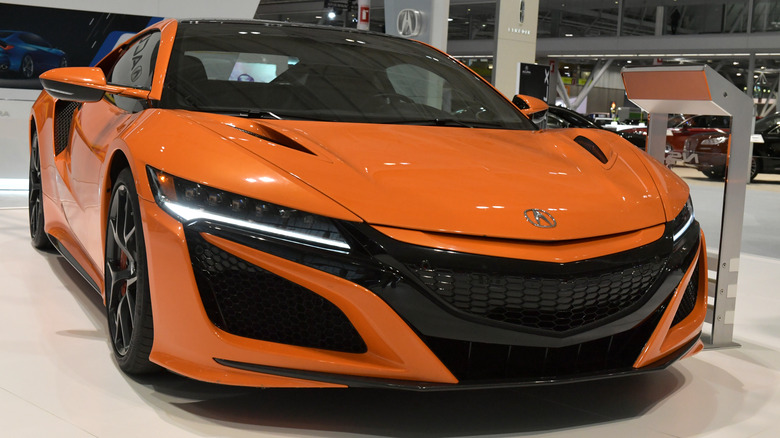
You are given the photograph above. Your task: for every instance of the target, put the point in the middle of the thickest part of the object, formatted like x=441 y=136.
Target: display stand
x=700 y=90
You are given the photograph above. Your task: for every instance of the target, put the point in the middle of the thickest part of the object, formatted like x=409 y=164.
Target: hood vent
x=592 y=148
x=277 y=138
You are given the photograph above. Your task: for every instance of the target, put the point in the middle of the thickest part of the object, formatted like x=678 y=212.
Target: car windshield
x=261 y=69
x=767 y=123
x=722 y=122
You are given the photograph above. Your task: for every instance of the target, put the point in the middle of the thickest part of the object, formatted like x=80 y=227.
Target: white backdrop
x=15 y=104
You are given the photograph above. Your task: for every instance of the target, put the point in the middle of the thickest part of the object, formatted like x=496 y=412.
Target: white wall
x=15 y=104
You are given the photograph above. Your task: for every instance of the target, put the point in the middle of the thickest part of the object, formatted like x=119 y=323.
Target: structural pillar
x=516 y=24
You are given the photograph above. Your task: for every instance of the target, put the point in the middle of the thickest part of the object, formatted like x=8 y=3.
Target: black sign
x=534 y=80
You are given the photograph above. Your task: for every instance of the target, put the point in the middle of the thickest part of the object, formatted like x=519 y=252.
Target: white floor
x=58 y=379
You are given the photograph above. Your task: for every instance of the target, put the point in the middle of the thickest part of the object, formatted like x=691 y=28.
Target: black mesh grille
x=536 y=302
x=63 y=120
x=248 y=301
x=475 y=361
x=688 y=301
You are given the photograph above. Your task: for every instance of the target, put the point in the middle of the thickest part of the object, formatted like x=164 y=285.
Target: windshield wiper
x=445 y=122
x=259 y=114
x=252 y=114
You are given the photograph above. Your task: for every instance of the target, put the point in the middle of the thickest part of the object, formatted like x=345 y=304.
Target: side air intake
x=592 y=148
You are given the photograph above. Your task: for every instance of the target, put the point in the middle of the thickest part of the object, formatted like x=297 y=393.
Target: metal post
x=656 y=135
x=704 y=91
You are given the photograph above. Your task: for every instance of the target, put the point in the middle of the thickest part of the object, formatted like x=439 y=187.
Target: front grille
x=246 y=300
x=688 y=301
x=538 y=302
x=475 y=361
x=63 y=119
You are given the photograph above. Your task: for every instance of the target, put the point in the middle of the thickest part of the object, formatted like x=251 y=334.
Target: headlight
x=712 y=141
x=188 y=202
x=683 y=221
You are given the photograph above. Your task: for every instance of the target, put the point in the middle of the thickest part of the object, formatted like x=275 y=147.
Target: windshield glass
x=271 y=70
x=767 y=123
x=722 y=122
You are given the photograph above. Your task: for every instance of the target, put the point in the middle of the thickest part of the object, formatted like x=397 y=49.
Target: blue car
x=5 y=61
x=27 y=54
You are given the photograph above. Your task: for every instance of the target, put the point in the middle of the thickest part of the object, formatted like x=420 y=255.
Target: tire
x=754 y=169
x=715 y=173
x=27 y=67
x=37 y=221
x=128 y=303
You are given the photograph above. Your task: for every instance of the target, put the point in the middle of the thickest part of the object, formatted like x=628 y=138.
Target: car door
x=96 y=127
x=769 y=151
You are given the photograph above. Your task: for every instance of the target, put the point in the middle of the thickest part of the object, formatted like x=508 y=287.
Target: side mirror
x=83 y=84
x=533 y=108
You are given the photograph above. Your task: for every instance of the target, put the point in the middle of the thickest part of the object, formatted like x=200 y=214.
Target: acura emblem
x=539 y=218
x=409 y=23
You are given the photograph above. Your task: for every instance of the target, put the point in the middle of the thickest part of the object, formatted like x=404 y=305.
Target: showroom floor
x=57 y=377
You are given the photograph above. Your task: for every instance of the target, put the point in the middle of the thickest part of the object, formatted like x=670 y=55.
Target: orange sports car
x=274 y=204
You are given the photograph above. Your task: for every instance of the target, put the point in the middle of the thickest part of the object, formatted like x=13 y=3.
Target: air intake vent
x=592 y=148
x=63 y=120
x=277 y=138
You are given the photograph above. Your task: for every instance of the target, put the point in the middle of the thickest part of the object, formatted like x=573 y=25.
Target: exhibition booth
x=368 y=357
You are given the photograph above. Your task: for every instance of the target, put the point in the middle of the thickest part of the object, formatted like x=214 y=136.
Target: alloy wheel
x=28 y=68
x=121 y=272
x=35 y=199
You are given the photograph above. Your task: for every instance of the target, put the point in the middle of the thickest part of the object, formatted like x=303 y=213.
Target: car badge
x=540 y=218
x=410 y=23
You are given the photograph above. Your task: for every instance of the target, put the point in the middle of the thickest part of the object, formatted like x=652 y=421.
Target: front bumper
x=397 y=315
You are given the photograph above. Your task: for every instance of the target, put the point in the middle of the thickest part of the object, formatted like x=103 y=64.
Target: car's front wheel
x=128 y=303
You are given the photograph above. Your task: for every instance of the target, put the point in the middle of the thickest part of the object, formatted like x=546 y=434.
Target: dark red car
x=708 y=151
x=679 y=132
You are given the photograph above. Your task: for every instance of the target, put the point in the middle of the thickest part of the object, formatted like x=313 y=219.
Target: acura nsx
x=285 y=205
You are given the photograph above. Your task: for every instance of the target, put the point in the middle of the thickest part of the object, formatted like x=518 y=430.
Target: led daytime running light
x=192 y=214
x=188 y=202
x=689 y=208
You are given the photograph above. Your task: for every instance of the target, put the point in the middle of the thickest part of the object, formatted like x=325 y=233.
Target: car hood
x=478 y=182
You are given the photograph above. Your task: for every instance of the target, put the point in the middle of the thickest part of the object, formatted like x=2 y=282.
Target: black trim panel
x=411 y=385
x=72 y=260
x=71 y=92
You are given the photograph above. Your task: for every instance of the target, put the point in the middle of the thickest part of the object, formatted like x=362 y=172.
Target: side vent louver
x=63 y=120
x=278 y=138
x=592 y=148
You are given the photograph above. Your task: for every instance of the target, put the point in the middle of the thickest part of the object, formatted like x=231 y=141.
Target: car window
x=328 y=75
x=766 y=123
x=242 y=67
x=420 y=85
x=31 y=38
x=135 y=67
x=706 y=122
